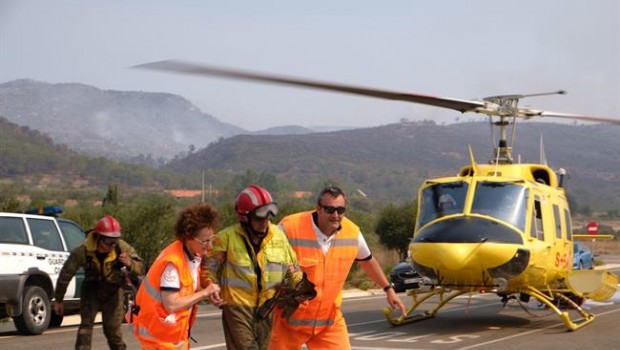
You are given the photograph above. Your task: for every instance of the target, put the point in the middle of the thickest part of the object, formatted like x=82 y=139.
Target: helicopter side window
x=442 y=199
x=533 y=226
x=502 y=200
x=558 y=221
x=569 y=225
x=537 y=222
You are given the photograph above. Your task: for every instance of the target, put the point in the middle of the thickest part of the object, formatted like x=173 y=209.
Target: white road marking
x=525 y=333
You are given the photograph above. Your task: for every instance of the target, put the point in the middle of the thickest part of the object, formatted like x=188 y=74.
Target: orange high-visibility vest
x=328 y=271
x=150 y=325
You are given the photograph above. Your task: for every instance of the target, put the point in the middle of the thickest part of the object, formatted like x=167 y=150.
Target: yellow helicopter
x=501 y=227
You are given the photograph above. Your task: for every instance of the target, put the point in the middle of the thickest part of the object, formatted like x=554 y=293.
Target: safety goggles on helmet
x=267 y=211
x=110 y=241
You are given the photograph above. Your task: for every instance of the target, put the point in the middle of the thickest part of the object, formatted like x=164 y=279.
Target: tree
x=264 y=179
x=147 y=224
x=395 y=227
x=111 y=198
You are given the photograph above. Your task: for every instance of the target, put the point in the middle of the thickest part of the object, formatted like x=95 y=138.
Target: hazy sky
x=452 y=48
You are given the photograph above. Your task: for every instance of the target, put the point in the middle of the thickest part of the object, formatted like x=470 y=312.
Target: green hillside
x=389 y=162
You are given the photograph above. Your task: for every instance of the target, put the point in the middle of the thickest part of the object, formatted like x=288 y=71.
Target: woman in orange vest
x=168 y=295
x=327 y=244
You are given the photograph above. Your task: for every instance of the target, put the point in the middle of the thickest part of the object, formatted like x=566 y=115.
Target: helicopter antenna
x=543 y=156
x=474 y=165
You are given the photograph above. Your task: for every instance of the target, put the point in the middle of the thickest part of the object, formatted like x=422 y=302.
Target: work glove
x=294 y=289
x=289 y=300
x=265 y=310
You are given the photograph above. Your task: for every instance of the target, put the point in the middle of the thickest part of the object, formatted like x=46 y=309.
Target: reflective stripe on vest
x=238 y=278
x=327 y=271
x=150 y=324
x=144 y=334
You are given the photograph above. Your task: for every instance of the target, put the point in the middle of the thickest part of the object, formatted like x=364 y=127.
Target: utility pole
x=203 y=186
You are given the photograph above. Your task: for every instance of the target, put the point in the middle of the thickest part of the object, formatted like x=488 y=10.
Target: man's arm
x=130 y=258
x=374 y=271
x=69 y=268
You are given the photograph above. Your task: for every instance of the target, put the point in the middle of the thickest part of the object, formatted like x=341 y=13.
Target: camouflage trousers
x=109 y=300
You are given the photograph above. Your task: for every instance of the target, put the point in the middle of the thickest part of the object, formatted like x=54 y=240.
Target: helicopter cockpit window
x=502 y=200
x=442 y=199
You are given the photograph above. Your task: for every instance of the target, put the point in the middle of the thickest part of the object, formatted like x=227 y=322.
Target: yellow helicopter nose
x=464 y=262
x=458 y=257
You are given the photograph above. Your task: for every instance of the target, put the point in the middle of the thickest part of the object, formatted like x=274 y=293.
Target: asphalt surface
x=470 y=322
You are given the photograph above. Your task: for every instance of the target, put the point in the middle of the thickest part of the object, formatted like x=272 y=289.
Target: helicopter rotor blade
x=175 y=66
x=491 y=106
x=528 y=113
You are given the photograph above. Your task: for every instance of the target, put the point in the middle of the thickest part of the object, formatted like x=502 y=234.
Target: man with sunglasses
x=102 y=256
x=250 y=260
x=327 y=244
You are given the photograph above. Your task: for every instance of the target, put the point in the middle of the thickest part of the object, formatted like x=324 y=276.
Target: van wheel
x=36 y=312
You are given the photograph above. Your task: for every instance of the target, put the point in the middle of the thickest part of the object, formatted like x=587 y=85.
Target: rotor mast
x=505 y=107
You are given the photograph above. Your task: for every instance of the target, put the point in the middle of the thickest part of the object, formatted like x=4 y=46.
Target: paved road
x=477 y=322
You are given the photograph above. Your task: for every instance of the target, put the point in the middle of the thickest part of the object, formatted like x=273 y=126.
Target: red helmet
x=255 y=200
x=108 y=226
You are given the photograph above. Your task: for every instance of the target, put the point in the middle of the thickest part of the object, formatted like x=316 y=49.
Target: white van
x=33 y=249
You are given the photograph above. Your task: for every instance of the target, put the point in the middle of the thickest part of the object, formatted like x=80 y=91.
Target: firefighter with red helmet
x=102 y=256
x=250 y=260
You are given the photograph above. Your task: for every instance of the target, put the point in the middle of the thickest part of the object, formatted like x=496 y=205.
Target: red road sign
x=592 y=228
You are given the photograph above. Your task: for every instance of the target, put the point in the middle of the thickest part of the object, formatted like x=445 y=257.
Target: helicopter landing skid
x=587 y=318
x=418 y=298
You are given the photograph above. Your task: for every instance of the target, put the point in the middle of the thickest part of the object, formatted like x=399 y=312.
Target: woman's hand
x=212 y=293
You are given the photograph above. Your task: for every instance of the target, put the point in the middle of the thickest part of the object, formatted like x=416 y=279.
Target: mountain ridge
x=88 y=119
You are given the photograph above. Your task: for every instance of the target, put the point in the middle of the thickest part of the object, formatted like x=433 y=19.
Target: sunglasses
x=330 y=210
x=203 y=242
x=267 y=211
